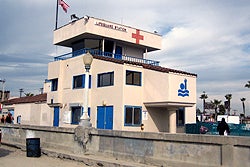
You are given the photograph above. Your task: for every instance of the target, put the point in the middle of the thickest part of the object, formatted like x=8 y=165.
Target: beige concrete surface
x=10 y=156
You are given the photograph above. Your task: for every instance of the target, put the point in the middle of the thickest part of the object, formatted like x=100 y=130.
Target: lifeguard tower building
x=126 y=90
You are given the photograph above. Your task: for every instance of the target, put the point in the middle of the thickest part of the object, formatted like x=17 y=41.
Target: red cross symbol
x=137 y=36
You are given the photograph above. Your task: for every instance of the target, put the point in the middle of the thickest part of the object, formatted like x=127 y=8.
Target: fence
x=211 y=128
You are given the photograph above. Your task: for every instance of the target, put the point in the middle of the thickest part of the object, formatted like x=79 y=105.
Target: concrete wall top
x=193 y=138
x=154 y=149
x=39 y=128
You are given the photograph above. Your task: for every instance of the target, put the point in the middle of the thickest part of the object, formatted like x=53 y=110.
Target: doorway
x=118 y=52
x=56 y=116
x=105 y=117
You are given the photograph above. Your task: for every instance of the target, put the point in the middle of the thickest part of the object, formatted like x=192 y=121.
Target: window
x=79 y=81
x=54 y=84
x=133 y=78
x=76 y=48
x=79 y=47
x=105 y=79
x=132 y=116
x=180 y=117
x=108 y=46
x=77 y=113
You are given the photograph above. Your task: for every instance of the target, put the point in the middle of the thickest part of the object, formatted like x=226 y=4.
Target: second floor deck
x=106 y=54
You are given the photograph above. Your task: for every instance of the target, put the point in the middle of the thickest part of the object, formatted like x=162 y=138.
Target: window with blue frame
x=105 y=79
x=76 y=114
x=79 y=81
x=133 y=115
x=133 y=78
x=54 y=84
x=180 y=117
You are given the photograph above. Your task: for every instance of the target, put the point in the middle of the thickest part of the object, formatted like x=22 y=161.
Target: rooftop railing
x=106 y=54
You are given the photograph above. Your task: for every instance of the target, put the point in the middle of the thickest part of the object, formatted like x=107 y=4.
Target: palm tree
x=216 y=103
x=228 y=97
x=29 y=94
x=243 y=105
x=247 y=84
x=204 y=97
x=222 y=109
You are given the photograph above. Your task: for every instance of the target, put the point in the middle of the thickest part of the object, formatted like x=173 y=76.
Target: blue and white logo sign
x=183 y=89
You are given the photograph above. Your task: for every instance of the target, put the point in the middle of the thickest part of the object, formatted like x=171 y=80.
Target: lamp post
x=85 y=120
x=3 y=81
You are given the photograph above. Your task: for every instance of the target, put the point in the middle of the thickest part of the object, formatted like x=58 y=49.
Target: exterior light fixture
x=87 y=60
x=85 y=120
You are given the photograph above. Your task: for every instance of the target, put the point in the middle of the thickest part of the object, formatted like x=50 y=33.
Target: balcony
x=106 y=54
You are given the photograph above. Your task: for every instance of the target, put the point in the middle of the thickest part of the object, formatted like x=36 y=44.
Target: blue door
x=56 y=116
x=118 y=52
x=105 y=117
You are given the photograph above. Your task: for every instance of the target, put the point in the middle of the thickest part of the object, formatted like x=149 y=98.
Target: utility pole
x=21 y=91
x=41 y=90
x=3 y=81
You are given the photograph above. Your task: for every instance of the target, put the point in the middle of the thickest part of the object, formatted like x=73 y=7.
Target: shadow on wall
x=160 y=118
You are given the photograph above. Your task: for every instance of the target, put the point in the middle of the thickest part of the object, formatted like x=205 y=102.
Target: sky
x=208 y=38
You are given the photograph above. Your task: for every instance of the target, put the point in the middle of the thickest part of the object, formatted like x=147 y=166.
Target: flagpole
x=57 y=3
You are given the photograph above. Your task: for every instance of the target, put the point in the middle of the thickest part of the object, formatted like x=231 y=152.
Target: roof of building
x=27 y=99
x=146 y=66
x=95 y=28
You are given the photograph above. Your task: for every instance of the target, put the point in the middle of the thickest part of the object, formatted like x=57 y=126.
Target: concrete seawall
x=158 y=149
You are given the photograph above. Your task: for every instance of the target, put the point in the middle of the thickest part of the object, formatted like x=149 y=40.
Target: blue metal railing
x=235 y=129
x=106 y=54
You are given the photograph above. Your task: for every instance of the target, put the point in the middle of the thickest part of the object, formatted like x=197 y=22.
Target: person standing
x=9 y=118
x=0 y=137
x=223 y=127
x=3 y=119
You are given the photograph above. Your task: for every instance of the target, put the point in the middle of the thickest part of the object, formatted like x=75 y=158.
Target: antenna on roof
x=73 y=18
x=41 y=90
x=86 y=17
x=21 y=91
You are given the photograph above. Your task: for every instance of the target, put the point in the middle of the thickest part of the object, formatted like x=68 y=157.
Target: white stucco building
x=125 y=89
x=29 y=110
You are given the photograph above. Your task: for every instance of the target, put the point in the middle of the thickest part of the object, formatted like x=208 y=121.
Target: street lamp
x=3 y=81
x=85 y=120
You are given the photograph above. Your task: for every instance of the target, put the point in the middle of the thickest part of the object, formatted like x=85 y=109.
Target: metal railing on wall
x=106 y=54
x=210 y=128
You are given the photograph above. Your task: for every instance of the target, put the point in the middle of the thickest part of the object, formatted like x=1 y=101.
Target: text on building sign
x=111 y=26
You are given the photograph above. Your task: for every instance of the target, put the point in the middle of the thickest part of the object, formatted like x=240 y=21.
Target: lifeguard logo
x=183 y=89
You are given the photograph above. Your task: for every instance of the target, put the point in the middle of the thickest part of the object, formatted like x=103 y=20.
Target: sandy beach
x=10 y=156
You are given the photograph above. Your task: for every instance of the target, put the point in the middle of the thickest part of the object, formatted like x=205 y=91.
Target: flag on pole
x=64 y=5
